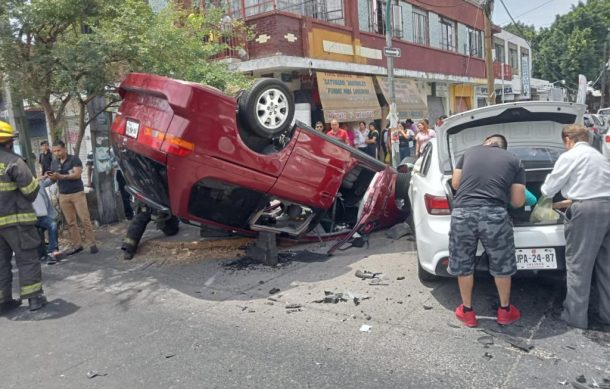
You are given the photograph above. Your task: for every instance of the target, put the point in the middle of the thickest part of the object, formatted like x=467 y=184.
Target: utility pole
x=17 y=119
x=489 y=69
x=602 y=101
x=393 y=116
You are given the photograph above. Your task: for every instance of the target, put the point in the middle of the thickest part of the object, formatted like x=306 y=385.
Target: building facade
x=331 y=54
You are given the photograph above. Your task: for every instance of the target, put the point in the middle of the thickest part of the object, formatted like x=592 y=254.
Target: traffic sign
x=391 y=51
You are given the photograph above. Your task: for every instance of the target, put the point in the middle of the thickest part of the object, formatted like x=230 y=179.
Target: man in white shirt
x=583 y=176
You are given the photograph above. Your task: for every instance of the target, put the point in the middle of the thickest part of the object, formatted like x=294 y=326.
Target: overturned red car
x=242 y=164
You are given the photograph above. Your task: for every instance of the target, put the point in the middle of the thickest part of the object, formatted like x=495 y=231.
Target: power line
x=533 y=9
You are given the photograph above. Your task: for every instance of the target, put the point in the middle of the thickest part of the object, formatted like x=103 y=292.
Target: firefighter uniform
x=18 y=234
x=136 y=229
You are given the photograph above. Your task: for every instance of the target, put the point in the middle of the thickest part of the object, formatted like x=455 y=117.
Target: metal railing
x=329 y=11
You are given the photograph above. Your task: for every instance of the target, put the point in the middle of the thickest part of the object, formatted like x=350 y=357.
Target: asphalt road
x=156 y=322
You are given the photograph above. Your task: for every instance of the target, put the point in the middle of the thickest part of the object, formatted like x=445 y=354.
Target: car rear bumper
x=433 y=245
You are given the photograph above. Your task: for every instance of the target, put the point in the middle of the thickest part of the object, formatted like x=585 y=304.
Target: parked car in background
x=243 y=165
x=533 y=130
x=593 y=123
x=603 y=123
x=605 y=112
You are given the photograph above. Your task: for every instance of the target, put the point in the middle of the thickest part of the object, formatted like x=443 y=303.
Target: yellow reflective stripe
x=18 y=218
x=7 y=186
x=29 y=188
x=30 y=289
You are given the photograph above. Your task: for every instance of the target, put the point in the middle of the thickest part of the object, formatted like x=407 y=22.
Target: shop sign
x=410 y=102
x=525 y=76
x=348 y=97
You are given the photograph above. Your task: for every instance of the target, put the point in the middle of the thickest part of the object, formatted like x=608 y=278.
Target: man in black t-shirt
x=487 y=178
x=45 y=158
x=66 y=171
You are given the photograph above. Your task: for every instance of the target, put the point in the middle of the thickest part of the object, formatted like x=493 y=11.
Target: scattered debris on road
x=486 y=340
x=563 y=383
x=274 y=291
x=92 y=374
x=427 y=307
x=520 y=344
x=400 y=278
x=581 y=378
x=365 y=328
x=293 y=306
x=488 y=356
x=336 y=297
x=366 y=275
x=168 y=356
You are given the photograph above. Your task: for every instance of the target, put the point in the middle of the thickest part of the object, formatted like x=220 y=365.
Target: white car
x=533 y=130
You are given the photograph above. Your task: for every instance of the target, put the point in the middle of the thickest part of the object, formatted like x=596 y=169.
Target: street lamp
x=563 y=82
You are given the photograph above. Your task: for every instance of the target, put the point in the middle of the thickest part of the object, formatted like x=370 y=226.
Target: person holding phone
x=66 y=170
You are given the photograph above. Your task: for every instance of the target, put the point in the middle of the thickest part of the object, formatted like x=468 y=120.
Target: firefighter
x=169 y=224
x=18 y=234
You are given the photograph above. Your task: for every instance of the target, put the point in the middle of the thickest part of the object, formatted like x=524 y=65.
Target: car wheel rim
x=272 y=109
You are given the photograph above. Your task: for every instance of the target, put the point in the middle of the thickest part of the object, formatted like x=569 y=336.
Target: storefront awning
x=348 y=97
x=410 y=102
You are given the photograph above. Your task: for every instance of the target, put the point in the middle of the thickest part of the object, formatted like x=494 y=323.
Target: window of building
x=448 y=35
x=475 y=42
x=377 y=19
x=420 y=27
x=499 y=49
x=513 y=58
x=327 y=10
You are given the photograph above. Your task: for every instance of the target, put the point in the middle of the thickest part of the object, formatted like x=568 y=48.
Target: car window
x=426 y=159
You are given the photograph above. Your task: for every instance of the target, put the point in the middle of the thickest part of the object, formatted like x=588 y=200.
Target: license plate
x=535 y=259
x=132 y=129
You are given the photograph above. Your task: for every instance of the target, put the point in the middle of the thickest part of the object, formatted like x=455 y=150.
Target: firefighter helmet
x=6 y=131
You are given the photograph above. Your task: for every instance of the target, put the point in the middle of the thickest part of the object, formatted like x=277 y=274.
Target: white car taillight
x=437 y=205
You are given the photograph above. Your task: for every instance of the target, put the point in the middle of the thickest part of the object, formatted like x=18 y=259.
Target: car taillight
x=437 y=205
x=177 y=146
x=118 y=125
x=151 y=137
x=607 y=138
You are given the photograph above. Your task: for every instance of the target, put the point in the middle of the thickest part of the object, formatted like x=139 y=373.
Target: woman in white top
x=360 y=136
x=423 y=136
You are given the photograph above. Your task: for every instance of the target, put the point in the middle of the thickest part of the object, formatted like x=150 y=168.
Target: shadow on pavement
x=539 y=299
x=55 y=309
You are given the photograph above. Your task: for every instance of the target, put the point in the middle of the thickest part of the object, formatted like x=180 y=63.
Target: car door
x=421 y=184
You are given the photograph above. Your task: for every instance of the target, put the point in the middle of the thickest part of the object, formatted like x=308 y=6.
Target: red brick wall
x=276 y=26
x=426 y=59
x=462 y=12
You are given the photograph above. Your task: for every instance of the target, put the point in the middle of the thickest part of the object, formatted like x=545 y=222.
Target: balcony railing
x=499 y=71
x=330 y=11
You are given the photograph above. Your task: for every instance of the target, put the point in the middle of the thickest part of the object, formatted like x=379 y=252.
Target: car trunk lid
x=532 y=123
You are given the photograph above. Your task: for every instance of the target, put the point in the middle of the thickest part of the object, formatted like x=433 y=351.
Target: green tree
x=57 y=51
x=573 y=44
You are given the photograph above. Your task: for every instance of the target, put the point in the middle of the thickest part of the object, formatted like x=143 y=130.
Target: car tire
x=401 y=191
x=170 y=227
x=267 y=108
x=424 y=276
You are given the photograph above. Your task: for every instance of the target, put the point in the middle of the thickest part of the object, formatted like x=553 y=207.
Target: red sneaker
x=468 y=318
x=508 y=317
